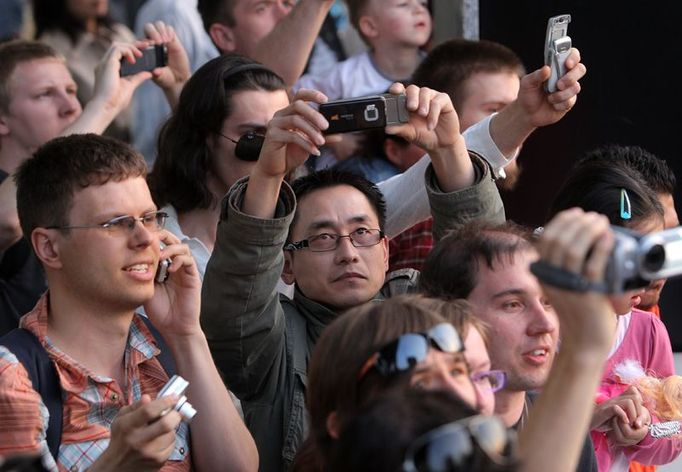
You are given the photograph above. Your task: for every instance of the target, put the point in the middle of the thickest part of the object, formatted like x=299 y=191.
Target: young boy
x=395 y=31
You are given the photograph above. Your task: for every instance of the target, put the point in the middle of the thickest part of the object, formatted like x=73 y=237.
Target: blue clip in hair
x=625 y=208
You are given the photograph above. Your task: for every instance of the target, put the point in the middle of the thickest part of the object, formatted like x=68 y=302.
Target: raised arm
x=286 y=49
x=534 y=108
x=112 y=92
x=220 y=440
x=580 y=244
x=241 y=312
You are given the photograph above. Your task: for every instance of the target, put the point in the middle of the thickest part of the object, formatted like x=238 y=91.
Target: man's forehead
x=342 y=204
x=34 y=70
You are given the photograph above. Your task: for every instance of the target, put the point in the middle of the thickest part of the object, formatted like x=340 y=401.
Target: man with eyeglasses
x=330 y=226
x=96 y=231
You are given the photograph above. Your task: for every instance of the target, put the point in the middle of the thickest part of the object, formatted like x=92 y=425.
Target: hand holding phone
x=152 y=57
x=557 y=49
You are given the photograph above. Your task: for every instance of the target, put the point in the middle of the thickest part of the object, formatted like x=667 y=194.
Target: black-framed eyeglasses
x=152 y=221
x=412 y=348
x=490 y=380
x=248 y=145
x=361 y=237
x=450 y=448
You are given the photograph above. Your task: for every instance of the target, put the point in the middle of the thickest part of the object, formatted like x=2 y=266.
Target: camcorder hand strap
x=561 y=278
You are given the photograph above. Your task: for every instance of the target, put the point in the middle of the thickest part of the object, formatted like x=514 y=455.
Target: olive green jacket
x=261 y=340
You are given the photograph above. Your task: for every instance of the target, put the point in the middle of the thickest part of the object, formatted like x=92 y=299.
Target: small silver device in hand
x=177 y=386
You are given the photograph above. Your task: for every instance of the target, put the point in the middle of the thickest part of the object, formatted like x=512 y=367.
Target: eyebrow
x=117 y=215
x=511 y=291
x=315 y=225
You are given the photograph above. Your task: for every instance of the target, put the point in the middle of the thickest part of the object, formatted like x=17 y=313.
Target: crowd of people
x=336 y=302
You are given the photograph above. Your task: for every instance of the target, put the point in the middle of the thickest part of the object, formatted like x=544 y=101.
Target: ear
x=45 y=243
x=223 y=37
x=332 y=425
x=392 y=152
x=4 y=127
x=368 y=27
x=287 y=273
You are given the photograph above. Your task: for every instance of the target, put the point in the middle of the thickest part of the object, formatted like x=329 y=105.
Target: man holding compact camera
x=97 y=233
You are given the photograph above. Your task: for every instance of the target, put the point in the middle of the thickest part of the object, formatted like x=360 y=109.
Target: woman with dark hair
x=620 y=423
x=82 y=32
x=225 y=100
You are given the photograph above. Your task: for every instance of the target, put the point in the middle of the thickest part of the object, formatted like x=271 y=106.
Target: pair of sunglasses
x=451 y=447
x=248 y=146
x=412 y=348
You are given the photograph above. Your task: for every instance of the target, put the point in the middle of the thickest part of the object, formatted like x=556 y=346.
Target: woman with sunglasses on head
x=404 y=340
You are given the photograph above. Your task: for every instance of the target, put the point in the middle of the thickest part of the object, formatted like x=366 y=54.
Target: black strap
x=562 y=278
x=33 y=356
x=28 y=350
x=164 y=357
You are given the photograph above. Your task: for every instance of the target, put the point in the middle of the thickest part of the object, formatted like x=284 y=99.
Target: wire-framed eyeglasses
x=152 y=221
x=361 y=237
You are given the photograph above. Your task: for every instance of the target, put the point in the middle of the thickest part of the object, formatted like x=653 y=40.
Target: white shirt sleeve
x=405 y=194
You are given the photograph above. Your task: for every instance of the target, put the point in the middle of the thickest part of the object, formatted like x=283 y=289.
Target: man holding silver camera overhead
x=96 y=231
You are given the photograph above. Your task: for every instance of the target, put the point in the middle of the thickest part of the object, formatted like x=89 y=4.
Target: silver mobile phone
x=557 y=49
x=162 y=269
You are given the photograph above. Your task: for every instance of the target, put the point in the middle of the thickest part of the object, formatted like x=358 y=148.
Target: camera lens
x=185 y=409
x=654 y=258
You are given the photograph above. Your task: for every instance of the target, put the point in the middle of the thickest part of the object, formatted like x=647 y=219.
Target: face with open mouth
x=110 y=268
x=523 y=326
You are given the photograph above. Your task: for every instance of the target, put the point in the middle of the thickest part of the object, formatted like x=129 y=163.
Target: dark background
x=631 y=95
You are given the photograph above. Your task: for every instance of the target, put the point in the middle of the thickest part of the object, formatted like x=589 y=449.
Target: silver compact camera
x=177 y=386
x=637 y=259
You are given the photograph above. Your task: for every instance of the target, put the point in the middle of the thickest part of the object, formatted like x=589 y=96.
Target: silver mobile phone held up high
x=557 y=49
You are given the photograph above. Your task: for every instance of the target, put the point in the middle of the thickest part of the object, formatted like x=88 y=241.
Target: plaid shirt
x=90 y=402
x=409 y=249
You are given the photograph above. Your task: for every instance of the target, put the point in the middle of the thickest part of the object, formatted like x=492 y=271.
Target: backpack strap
x=33 y=356
x=165 y=357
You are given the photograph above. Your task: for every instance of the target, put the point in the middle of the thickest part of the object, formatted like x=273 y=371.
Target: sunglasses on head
x=412 y=348
x=451 y=447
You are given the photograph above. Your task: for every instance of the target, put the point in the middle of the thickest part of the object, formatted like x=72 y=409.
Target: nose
x=141 y=237
x=345 y=252
x=69 y=105
x=543 y=319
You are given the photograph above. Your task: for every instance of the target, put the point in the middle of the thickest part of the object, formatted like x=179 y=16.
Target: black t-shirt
x=587 y=461
x=22 y=281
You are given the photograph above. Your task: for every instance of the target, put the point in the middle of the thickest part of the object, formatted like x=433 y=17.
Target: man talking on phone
x=97 y=233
